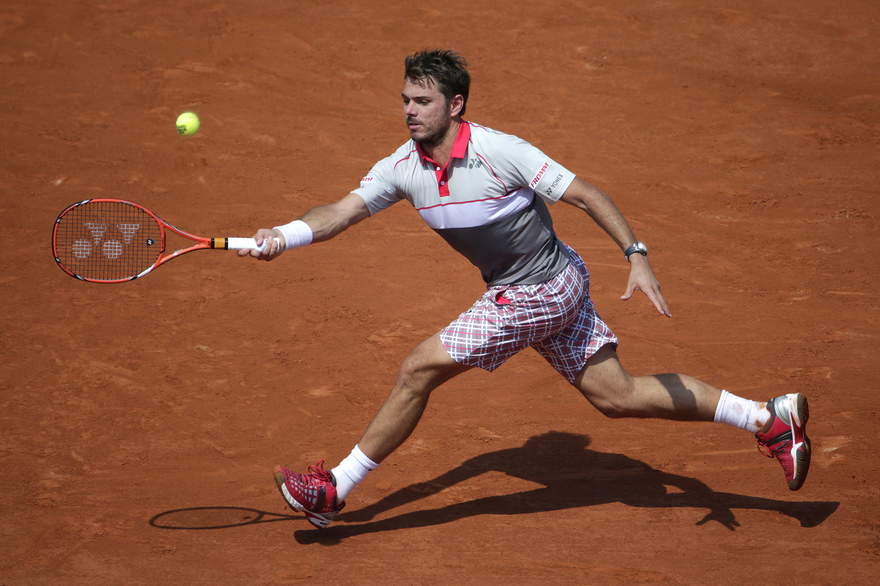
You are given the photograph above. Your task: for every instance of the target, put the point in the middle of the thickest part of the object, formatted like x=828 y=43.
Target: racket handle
x=246 y=244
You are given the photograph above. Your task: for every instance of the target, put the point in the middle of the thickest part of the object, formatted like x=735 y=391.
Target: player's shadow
x=571 y=476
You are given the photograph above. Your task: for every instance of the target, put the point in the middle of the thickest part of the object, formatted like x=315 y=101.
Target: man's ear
x=455 y=105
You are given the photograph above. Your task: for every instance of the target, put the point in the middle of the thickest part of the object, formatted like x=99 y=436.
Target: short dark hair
x=447 y=69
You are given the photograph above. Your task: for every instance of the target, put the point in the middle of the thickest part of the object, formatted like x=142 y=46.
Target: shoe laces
x=773 y=451
x=318 y=472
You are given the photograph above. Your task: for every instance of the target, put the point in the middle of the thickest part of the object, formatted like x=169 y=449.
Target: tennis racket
x=115 y=241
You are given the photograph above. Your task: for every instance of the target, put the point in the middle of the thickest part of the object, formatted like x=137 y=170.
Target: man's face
x=428 y=114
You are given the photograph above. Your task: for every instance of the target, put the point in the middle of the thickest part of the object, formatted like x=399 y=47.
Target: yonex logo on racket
x=110 y=248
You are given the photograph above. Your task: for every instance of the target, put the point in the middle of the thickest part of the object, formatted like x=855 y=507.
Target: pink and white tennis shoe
x=785 y=437
x=313 y=494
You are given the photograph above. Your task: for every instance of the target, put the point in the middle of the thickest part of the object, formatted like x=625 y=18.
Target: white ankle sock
x=351 y=471
x=741 y=413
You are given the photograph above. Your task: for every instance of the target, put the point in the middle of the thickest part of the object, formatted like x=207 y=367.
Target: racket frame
x=201 y=243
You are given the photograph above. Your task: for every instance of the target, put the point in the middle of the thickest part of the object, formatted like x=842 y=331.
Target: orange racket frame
x=116 y=241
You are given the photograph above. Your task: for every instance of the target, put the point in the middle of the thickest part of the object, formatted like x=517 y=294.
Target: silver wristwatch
x=636 y=247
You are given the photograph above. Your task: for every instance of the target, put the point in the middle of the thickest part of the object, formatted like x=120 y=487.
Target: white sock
x=741 y=413
x=351 y=471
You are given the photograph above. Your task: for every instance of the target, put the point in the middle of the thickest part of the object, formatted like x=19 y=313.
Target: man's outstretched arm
x=324 y=222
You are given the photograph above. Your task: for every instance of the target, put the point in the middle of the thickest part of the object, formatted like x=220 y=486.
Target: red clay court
x=141 y=422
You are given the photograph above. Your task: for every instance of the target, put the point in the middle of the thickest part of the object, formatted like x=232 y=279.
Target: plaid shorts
x=555 y=317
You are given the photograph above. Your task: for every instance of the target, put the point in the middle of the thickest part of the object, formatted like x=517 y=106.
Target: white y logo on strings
x=111 y=249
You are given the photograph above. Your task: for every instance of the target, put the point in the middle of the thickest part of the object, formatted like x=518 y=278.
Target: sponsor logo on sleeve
x=554 y=185
x=540 y=174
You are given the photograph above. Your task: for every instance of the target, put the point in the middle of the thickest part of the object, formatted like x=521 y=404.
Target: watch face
x=637 y=247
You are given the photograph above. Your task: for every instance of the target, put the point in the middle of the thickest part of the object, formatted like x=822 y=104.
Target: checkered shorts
x=555 y=317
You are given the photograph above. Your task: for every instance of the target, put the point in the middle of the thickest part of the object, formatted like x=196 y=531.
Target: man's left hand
x=641 y=277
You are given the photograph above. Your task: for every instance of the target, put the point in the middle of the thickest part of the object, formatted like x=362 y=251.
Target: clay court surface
x=141 y=422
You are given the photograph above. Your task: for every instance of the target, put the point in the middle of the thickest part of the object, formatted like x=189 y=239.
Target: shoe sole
x=316 y=519
x=801 y=457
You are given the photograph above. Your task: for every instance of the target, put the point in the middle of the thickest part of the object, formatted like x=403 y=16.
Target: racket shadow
x=203 y=518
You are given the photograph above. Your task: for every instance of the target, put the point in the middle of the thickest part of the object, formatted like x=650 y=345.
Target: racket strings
x=107 y=240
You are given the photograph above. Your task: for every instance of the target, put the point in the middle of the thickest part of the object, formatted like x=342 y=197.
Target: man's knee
x=613 y=400
x=606 y=385
x=427 y=367
x=412 y=376
x=611 y=407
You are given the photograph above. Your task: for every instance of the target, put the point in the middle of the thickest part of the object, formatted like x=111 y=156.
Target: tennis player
x=487 y=194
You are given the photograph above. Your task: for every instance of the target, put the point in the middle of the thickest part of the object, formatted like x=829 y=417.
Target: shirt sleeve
x=377 y=189
x=530 y=167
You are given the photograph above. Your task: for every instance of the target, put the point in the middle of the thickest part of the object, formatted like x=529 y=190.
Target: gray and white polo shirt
x=482 y=202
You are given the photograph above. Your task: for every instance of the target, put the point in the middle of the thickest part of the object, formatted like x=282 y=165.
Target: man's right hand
x=274 y=245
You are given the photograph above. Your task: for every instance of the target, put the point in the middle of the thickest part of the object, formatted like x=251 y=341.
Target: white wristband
x=296 y=234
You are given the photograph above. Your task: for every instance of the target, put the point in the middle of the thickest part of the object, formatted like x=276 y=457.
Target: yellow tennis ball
x=188 y=123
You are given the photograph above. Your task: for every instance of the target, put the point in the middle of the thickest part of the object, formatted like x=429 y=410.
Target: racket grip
x=246 y=244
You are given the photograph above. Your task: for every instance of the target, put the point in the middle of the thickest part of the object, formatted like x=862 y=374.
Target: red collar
x=459 y=147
